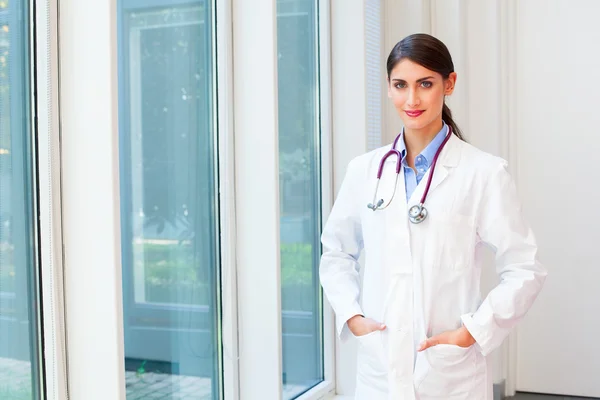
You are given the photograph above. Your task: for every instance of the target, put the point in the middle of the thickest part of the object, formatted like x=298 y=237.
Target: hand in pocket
x=361 y=326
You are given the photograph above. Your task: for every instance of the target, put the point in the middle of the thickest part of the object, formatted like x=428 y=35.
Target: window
x=19 y=305
x=169 y=203
x=300 y=194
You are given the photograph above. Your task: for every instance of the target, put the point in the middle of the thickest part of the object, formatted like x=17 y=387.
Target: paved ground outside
x=15 y=384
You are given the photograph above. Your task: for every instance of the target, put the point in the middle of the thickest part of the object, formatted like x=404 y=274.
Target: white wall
x=555 y=148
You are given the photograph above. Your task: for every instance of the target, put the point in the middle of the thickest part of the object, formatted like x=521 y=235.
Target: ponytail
x=447 y=117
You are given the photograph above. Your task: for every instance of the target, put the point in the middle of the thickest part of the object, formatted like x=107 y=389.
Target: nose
x=413 y=100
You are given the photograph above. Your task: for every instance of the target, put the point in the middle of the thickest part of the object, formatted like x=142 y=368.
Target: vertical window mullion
x=226 y=152
x=48 y=156
x=90 y=172
x=257 y=198
x=326 y=176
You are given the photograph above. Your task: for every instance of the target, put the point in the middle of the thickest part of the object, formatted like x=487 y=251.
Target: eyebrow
x=418 y=80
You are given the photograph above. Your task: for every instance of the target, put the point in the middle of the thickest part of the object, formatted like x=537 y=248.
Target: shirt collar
x=428 y=152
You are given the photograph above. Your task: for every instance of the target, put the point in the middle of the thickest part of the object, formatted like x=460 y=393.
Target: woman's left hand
x=459 y=337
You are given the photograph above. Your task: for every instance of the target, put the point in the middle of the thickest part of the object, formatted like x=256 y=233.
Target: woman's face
x=418 y=94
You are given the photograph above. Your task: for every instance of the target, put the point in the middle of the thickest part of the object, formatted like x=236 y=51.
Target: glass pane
x=168 y=200
x=19 y=347
x=299 y=138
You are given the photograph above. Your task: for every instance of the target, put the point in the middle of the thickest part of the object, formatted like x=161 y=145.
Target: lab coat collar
x=447 y=159
x=450 y=153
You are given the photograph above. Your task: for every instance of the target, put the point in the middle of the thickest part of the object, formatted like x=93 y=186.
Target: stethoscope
x=417 y=213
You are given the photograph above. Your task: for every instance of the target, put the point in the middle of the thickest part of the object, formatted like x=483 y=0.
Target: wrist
x=467 y=336
x=352 y=320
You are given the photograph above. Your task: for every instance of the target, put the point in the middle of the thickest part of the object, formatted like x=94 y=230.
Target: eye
x=426 y=84
x=400 y=85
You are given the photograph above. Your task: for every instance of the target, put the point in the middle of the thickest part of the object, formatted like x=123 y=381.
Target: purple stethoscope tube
x=417 y=213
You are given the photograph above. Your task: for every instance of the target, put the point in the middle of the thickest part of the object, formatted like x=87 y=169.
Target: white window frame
x=251 y=326
x=90 y=195
x=224 y=109
x=328 y=386
x=257 y=188
x=258 y=264
x=46 y=121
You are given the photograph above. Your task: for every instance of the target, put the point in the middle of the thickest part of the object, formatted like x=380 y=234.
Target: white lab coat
x=421 y=280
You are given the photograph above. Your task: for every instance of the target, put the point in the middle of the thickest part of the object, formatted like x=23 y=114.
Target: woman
x=423 y=330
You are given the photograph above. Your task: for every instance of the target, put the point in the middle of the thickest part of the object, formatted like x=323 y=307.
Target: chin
x=417 y=124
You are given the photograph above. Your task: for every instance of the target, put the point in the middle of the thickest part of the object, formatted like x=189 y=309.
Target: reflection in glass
x=168 y=200
x=300 y=170
x=19 y=346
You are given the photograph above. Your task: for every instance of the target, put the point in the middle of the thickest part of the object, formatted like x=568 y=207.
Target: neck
x=417 y=139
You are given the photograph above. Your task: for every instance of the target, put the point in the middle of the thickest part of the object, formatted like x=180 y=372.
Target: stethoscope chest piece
x=417 y=214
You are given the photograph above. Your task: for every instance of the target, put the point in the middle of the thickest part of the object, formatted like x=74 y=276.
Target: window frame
x=101 y=290
x=327 y=387
x=48 y=157
x=256 y=371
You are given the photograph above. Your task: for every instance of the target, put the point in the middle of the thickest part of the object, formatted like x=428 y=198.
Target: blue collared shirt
x=422 y=161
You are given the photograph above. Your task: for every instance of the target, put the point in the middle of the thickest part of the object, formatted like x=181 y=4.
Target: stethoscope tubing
x=394 y=151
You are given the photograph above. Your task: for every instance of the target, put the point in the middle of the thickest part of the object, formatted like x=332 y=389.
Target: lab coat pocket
x=446 y=371
x=370 y=355
x=456 y=239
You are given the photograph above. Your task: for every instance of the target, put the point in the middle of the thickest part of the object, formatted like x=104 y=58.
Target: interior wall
x=556 y=145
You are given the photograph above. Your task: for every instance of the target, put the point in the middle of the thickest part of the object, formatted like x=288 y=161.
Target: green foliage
x=141 y=370
x=171 y=273
x=296 y=264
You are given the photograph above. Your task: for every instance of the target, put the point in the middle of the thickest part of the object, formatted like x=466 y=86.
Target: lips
x=414 y=113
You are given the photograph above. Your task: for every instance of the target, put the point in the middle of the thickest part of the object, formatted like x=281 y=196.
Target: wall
x=555 y=148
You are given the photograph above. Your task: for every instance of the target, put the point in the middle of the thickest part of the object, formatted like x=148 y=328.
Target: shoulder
x=481 y=162
x=487 y=172
x=366 y=161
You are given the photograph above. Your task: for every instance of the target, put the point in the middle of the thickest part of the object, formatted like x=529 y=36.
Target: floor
x=15 y=384
x=531 y=396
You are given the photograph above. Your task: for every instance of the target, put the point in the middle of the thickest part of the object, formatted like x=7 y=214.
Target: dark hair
x=432 y=54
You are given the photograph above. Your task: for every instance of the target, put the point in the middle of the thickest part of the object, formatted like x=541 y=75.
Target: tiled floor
x=532 y=396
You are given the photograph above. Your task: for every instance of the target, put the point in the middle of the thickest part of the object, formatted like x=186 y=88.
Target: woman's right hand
x=360 y=326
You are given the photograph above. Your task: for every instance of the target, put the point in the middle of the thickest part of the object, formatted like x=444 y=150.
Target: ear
x=449 y=84
x=389 y=88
